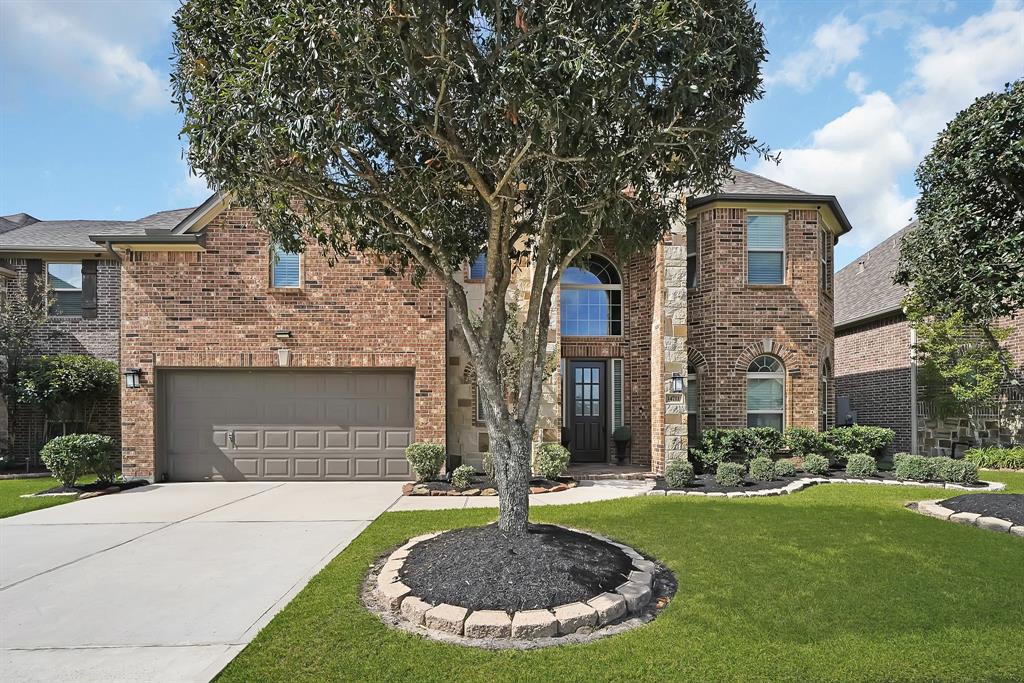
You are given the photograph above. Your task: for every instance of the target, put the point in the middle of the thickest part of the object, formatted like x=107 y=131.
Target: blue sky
x=856 y=92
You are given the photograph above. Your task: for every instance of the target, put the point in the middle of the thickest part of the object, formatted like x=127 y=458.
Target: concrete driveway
x=166 y=582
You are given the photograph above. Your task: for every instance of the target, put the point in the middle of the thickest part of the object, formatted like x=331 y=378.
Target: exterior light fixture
x=283 y=334
x=132 y=377
x=677 y=383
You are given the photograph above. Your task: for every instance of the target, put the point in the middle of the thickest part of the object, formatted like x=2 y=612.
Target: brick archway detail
x=696 y=359
x=766 y=346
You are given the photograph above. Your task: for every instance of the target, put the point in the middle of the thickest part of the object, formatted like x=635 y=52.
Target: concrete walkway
x=168 y=582
x=586 y=492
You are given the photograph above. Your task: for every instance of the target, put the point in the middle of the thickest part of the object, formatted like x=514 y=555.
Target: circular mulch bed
x=482 y=568
x=1008 y=506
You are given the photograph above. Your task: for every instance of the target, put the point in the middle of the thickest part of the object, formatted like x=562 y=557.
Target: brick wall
x=215 y=309
x=97 y=336
x=731 y=322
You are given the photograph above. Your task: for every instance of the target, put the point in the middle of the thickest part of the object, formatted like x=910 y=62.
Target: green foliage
x=487 y=462
x=762 y=469
x=69 y=457
x=67 y=387
x=956 y=471
x=861 y=465
x=993 y=457
x=679 y=474
x=802 y=441
x=551 y=460
x=730 y=473
x=714 y=448
x=20 y=320
x=914 y=468
x=845 y=441
x=736 y=445
x=426 y=460
x=815 y=464
x=785 y=468
x=622 y=434
x=462 y=476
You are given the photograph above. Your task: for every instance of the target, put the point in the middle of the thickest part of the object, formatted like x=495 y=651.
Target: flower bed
x=483 y=486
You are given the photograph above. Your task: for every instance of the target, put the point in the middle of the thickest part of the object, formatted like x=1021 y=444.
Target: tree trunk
x=511 y=447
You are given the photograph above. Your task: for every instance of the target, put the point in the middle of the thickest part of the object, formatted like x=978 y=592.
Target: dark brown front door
x=587 y=417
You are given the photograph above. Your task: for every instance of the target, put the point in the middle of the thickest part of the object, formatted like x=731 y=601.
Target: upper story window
x=592 y=300
x=692 y=264
x=826 y=260
x=478 y=268
x=766 y=392
x=65 y=279
x=284 y=268
x=766 y=249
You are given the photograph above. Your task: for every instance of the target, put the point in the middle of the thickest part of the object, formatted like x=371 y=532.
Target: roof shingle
x=864 y=288
x=43 y=235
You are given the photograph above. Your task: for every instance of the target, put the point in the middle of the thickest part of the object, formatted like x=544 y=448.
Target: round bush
x=785 y=468
x=861 y=465
x=679 y=474
x=426 y=459
x=958 y=471
x=551 y=460
x=462 y=477
x=762 y=469
x=815 y=464
x=730 y=473
x=913 y=467
x=69 y=457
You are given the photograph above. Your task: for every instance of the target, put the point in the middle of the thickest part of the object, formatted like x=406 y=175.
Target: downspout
x=913 y=390
x=110 y=250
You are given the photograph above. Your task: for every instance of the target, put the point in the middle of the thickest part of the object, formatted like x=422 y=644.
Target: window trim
x=780 y=375
x=270 y=270
x=80 y=289
x=600 y=287
x=695 y=254
x=762 y=250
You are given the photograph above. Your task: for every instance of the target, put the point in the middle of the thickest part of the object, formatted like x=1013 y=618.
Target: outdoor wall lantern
x=677 y=383
x=283 y=334
x=132 y=377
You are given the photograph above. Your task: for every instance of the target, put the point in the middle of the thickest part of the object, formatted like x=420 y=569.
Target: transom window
x=65 y=279
x=692 y=264
x=766 y=249
x=284 y=268
x=766 y=392
x=592 y=300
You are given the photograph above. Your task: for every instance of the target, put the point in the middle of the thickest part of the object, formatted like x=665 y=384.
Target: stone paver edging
x=631 y=599
x=931 y=508
x=800 y=484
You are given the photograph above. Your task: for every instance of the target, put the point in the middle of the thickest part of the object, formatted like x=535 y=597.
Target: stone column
x=672 y=345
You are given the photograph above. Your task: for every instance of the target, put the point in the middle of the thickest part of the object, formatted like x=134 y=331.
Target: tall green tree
x=428 y=131
x=965 y=261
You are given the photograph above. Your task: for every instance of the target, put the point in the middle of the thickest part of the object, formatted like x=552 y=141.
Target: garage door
x=285 y=424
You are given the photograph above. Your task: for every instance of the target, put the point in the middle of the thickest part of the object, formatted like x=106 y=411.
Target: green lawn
x=832 y=583
x=11 y=491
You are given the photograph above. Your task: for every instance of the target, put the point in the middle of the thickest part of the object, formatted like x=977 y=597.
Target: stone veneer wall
x=97 y=336
x=216 y=310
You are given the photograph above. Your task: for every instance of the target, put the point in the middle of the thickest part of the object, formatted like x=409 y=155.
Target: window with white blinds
x=618 y=414
x=766 y=249
x=284 y=269
x=478 y=268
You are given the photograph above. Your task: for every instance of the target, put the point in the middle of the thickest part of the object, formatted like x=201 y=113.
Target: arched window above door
x=592 y=299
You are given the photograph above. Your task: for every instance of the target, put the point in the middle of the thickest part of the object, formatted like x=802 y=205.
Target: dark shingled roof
x=43 y=235
x=744 y=182
x=864 y=288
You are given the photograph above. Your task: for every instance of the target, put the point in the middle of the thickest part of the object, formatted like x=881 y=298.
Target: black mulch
x=1008 y=506
x=482 y=482
x=482 y=568
x=706 y=482
x=94 y=486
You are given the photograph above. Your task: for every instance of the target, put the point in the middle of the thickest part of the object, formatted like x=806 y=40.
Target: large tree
x=965 y=261
x=428 y=131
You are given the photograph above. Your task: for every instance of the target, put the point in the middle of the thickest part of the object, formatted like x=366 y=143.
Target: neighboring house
x=86 y=312
x=253 y=363
x=874 y=365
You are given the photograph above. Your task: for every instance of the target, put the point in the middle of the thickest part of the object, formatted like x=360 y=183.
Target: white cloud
x=856 y=82
x=861 y=155
x=833 y=45
x=98 y=47
x=191 y=189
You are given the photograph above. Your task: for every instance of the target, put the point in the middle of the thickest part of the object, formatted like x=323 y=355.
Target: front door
x=587 y=417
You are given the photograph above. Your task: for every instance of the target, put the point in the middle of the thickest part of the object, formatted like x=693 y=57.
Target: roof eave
x=833 y=203
x=202 y=214
x=150 y=240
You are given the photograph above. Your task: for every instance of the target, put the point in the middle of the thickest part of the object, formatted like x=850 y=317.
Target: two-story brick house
x=256 y=363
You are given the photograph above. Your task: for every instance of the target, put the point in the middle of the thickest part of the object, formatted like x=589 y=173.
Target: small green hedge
x=802 y=441
x=845 y=441
x=551 y=460
x=736 y=445
x=426 y=459
x=69 y=457
x=462 y=476
x=679 y=474
x=785 y=468
x=730 y=473
x=913 y=467
x=992 y=457
x=816 y=464
x=762 y=469
x=861 y=465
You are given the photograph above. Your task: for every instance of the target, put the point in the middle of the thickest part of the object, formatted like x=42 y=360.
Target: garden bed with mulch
x=706 y=482
x=482 y=568
x=1008 y=506
x=91 y=490
x=484 y=486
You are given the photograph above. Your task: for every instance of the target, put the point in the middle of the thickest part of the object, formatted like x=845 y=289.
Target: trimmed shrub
x=754 y=442
x=913 y=467
x=487 y=462
x=845 y=441
x=784 y=468
x=714 y=448
x=551 y=460
x=992 y=457
x=899 y=457
x=679 y=474
x=802 y=441
x=762 y=469
x=957 y=471
x=861 y=465
x=426 y=459
x=730 y=473
x=816 y=464
x=462 y=476
x=69 y=457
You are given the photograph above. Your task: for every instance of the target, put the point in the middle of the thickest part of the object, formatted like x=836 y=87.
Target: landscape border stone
x=931 y=508
x=805 y=482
